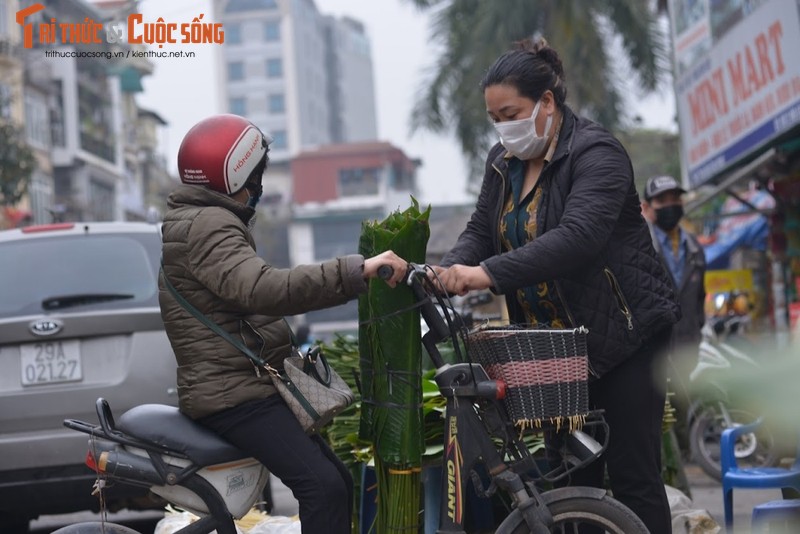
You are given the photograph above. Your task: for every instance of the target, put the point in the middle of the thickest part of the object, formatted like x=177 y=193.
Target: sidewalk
x=707 y=495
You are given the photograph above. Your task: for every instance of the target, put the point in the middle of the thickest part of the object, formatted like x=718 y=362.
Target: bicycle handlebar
x=439 y=330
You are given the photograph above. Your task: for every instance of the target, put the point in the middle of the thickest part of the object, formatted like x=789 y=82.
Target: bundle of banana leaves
x=391 y=372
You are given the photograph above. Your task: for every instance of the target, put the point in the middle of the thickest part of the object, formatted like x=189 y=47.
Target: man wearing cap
x=684 y=258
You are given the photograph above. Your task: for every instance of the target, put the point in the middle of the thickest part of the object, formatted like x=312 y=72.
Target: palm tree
x=586 y=33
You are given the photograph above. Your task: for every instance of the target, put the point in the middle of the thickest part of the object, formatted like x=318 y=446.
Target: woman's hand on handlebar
x=398 y=265
x=461 y=279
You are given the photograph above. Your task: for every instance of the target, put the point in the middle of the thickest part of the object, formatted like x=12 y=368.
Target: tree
x=652 y=152
x=17 y=162
x=473 y=33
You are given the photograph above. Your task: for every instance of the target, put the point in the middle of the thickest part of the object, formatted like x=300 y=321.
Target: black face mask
x=668 y=217
x=254 y=190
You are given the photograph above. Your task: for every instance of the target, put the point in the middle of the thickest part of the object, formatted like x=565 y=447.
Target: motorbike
x=721 y=352
x=189 y=466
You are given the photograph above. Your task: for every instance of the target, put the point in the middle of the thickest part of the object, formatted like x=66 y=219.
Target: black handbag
x=312 y=389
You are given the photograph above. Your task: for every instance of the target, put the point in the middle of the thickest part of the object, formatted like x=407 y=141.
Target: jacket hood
x=195 y=195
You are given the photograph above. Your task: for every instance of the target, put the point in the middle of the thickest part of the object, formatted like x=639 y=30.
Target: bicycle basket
x=545 y=372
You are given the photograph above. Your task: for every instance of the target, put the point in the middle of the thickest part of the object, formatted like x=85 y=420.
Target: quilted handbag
x=312 y=389
x=314 y=392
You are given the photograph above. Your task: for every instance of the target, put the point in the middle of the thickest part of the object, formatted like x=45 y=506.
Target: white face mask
x=519 y=137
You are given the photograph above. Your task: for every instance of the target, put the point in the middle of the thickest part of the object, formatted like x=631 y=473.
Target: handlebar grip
x=385 y=272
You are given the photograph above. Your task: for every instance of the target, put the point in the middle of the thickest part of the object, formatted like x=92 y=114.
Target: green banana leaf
x=389 y=344
x=391 y=372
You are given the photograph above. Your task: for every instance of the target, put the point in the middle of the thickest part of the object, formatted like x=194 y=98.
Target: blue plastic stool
x=777 y=516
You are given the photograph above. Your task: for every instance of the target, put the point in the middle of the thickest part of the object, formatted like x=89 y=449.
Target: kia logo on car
x=46 y=327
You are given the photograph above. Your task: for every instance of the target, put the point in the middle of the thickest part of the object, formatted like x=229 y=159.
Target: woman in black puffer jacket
x=558 y=230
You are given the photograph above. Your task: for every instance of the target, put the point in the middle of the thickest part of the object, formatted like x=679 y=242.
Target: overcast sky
x=183 y=91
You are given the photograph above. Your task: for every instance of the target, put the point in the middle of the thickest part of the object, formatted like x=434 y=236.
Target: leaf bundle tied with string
x=391 y=372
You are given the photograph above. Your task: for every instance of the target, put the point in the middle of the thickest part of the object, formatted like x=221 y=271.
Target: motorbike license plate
x=50 y=362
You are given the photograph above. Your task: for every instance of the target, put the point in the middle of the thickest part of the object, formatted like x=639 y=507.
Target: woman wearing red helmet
x=209 y=257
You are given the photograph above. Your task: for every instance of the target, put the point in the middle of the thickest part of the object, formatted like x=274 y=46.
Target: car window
x=77 y=273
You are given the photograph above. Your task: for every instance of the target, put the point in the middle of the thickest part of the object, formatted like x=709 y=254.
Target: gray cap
x=661 y=184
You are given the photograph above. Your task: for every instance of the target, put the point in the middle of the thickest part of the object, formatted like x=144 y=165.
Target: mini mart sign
x=737 y=82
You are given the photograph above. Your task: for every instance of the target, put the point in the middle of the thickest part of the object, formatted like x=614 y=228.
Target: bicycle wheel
x=574 y=514
x=756 y=449
x=95 y=527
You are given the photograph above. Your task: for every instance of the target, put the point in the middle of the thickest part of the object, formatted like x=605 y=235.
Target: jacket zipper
x=499 y=207
x=623 y=305
x=564 y=304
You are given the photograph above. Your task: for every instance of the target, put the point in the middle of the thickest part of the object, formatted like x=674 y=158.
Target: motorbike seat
x=166 y=427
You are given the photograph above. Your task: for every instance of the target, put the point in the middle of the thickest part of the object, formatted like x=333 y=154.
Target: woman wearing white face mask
x=558 y=230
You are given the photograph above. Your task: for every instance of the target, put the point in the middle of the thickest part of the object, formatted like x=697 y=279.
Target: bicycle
x=478 y=430
x=189 y=466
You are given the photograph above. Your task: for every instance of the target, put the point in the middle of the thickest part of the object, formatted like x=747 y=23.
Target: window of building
x=278 y=139
x=6 y=96
x=233 y=33
x=41 y=197
x=235 y=6
x=235 y=70
x=237 y=106
x=336 y=238
x=358 y=182
x=101 y=201
x=274 y=68
x=37 y=121
x=277 y=104
x=3 y=19
x=57 y=133
x=272 y=31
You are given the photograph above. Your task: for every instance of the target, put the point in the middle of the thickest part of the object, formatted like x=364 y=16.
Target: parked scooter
x=712 y=411
x=155 y=446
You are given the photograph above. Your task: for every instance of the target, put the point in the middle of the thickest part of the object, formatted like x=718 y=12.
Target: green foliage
x=389 y=345
x=17 y=163
x=389 y=341
x=652 y=152
x=342 y=433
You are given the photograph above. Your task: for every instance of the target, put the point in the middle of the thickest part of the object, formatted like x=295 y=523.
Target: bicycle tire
x=95 y=527
x=704 y=441
x=570 y=512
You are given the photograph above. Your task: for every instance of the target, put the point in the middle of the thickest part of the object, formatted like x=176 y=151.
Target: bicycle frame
x=461 y=455
x=473 y=410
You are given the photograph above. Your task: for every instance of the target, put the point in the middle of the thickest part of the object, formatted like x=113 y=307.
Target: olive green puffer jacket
x=210 y=258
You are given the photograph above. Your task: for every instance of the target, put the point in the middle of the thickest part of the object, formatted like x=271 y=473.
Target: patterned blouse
x=517 y=227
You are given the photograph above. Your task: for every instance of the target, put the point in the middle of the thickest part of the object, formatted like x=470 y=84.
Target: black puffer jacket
x=592 y=241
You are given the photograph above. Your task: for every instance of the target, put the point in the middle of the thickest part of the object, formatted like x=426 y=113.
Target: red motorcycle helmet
x=222 y=152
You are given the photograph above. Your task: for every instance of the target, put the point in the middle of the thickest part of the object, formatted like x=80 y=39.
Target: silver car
x=79 y=319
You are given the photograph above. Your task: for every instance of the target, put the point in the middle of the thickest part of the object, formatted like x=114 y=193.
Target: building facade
x=13 y=103
x=96 y=159
x=303 y=77
x=336 y=188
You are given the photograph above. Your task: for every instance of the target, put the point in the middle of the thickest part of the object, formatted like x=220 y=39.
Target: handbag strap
x=200 y=316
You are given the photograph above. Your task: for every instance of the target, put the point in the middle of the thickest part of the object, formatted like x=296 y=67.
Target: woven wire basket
x=545 y=371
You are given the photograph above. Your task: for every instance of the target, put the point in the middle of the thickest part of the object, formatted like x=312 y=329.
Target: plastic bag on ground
x=685 y=518
x=254 y=522
x=174 y=520
x=276 y=525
